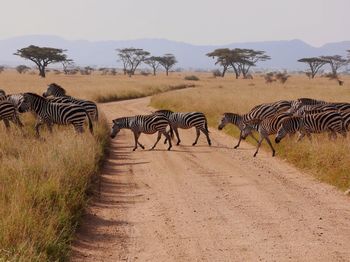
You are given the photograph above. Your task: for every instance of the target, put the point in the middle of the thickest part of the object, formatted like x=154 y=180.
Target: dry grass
x=96 y=87
x=327 y=160
x=43 y=189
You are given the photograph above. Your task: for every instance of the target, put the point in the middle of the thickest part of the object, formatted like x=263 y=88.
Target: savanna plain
x=45 y=184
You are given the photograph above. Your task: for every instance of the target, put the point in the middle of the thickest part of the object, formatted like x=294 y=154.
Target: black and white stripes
x=147 y=124
x=55 y=113
x=59 y=96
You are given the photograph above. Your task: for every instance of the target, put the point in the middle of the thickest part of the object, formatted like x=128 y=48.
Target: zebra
x=186 y=121
x=266 y=127
x=148 y=124
x=2 y=92
x=329 y=121
x=308 y=109
x=237 y=120
x=346 y=119
x=15 y=99
x=8 y=112
x=297 y=104
x=55 y=113
x=59 y=96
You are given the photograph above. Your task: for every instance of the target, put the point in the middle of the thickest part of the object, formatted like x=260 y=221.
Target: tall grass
x=327 y=160
x=43 y=185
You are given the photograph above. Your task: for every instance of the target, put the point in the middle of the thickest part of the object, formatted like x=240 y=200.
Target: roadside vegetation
x=327 y=160
x=43 y=188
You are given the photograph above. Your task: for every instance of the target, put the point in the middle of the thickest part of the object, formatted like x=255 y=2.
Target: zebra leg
x=7 y=124
x=198 y=134
x=258 y=146
x=37 y=125
x=17 y=121
x=206 y=133
x=158 y=138
x=301 y=135
x=177 y=136
x=239 y=141
x=270 y=144
x=168 y=138
x=136 y=136
x=142 y=146
x=78 y=128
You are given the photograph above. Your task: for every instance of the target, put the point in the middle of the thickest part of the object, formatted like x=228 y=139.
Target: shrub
x=22 y=69
x=217 y=73
x=192 y=78
x=2 y=68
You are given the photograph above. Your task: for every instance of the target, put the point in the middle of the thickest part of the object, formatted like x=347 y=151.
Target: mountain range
x=284 y=54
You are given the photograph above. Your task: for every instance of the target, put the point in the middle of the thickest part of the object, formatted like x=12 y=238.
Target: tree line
x=238 y=59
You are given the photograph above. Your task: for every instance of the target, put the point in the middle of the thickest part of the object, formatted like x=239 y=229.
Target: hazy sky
x=193 y=21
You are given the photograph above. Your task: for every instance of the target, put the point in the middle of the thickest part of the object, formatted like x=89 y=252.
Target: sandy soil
x=208 y=204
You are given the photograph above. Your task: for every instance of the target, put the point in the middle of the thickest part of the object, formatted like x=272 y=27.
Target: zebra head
x=26 y=104
x=118 y=124
x=247 y=129
x=227 y=118
x=54 y=90
x=288 y=126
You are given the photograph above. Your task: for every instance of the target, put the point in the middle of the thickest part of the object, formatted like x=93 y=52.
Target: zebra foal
x=147 y=124
x=55 y=113
x=186 y=121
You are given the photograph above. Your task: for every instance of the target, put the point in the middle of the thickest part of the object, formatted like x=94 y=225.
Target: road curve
x=208 y=204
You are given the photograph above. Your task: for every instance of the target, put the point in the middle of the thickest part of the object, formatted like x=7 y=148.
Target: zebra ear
x=114 y=121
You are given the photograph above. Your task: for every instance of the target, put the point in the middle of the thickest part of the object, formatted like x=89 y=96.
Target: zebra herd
x=54 y=107
x=304 y=116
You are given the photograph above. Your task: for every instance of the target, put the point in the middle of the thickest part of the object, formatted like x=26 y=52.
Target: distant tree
x=223 y=58
x=22 y=69
x=42 y=56
x=167 y=61
x=241 y=60
x=246 y=58
x=2 y=68
x=282 y=77
x=216 y=73
x=87 y=70
x=132 y=58
x=336 y=62
x=67 y=65
x=154 y=62
x=315 y=63
x=113 y=71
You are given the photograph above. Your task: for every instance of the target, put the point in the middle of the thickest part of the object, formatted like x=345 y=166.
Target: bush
x=22 y=69
x=145 y=73
x=192 y=78
x=217 y=73
x=2 y=68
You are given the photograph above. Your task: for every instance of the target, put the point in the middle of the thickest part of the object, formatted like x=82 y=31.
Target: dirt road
x=208 y=204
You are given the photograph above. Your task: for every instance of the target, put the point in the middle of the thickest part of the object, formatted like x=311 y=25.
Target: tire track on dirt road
x=208 y=204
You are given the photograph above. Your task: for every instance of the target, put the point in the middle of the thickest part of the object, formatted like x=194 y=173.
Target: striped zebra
x=147 y=124
x=308 y=109
x=266 y=127
x=59 y=96
x=186 y=121
x=237 y=120
x=297 y=104
x=55 y=113
x=329 y=121
x=8 y=112
x=345 y=114
x=15 y=99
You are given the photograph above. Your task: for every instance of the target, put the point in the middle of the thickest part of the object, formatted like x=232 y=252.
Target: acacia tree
x=67 y=65
x=246 y=58
x=154 y=62
x=167 y=61
x=42 y=56
x=336 y=62
x=315 y=63
x=223 y=58
x=22 y=69
x=132 y=58
x=241 y=60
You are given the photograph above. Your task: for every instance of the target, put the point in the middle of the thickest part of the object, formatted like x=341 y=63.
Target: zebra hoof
x=273 y=154
x=209 y=143
x=178 y=143
x=194 y=144
x=134 y=149
x=255 y=155
x=235 y=147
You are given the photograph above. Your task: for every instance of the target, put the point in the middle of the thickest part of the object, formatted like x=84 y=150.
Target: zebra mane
x=34 y=95
x=227 y=114
x=164 y=111
x=58 y=87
